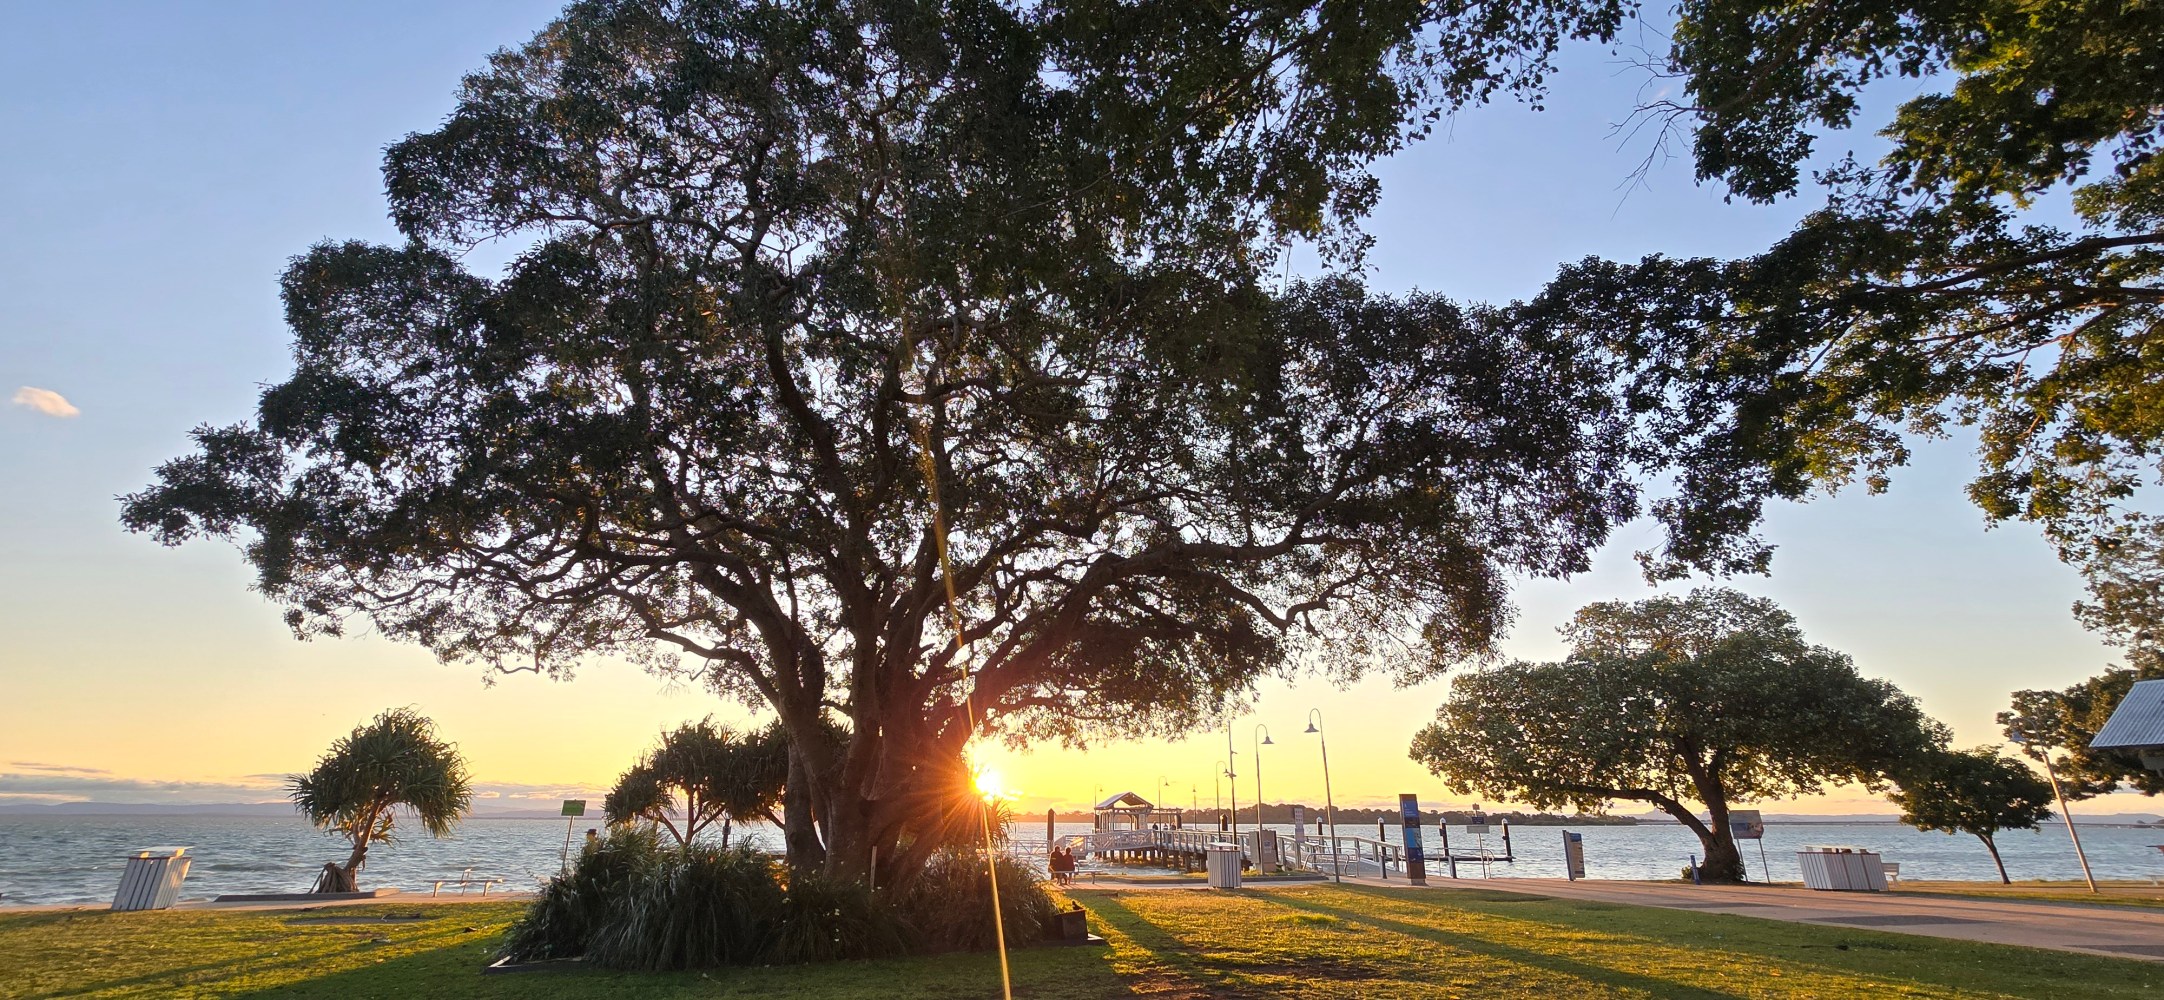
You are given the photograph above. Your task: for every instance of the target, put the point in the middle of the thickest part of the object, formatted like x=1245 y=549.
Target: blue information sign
x=1416 y=855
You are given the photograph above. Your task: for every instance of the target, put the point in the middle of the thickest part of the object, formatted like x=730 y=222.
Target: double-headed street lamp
x=1329 y=804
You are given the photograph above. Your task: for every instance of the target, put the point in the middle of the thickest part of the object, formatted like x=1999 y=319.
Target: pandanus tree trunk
x=346 y=877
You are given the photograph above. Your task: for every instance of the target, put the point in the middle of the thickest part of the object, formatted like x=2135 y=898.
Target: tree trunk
x=1724 y=862
x=343 y=878
x=799 y=829
x=1995 y=859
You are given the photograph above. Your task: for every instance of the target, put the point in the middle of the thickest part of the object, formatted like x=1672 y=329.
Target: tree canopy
x=700 y=774
x=829 y=308
x=1712 y=698
x=1976 y=792
x=2062 y=723
x=1997 y=266
x=357 y=788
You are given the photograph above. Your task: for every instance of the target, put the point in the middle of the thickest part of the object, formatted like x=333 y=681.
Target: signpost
x=1747 y=824
x=1477 y=825
x=573 y=809
x=1416 y=855
x=1299 y=833
x=1573 y=855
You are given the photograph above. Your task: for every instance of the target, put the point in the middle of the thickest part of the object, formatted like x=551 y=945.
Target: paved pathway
x=2117 y=931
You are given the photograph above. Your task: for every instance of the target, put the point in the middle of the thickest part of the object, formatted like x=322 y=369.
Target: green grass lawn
x=1318 y=941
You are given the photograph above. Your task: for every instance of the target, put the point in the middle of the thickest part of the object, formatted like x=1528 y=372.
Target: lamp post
x=1265 y=731
x=2044 y=753
x=1329 y=803
x=1232 y=777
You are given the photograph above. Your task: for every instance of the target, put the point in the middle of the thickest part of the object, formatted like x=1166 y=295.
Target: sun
x=989 y=784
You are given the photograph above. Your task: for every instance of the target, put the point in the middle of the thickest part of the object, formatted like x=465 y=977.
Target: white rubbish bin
x=152 y=878
x=1223 y=863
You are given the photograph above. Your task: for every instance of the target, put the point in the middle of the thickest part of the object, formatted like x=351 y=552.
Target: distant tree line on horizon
x=1280 y=813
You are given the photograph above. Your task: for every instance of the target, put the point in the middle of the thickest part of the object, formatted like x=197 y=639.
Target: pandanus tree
x=830 y=311
x=395 y=763
x=701 y=774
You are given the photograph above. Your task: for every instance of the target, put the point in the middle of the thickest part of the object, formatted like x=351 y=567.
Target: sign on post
x=573 y=809
x=1573 y=855
x=1747 y=824
x=1299 y=834
x=1416 y=855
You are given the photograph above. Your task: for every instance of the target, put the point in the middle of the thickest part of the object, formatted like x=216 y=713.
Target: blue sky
x=162 y=163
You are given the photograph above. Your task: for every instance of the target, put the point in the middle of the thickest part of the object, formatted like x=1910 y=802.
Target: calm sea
x=77 y=859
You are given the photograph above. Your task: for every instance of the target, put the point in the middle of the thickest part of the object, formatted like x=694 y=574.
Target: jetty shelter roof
x=2137 y=722
x=1127 y=801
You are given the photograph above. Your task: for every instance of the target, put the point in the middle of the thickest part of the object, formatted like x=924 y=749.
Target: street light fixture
x=1232 y=777
x=2044 y=753
x=1329 y=803
x=1265 y=731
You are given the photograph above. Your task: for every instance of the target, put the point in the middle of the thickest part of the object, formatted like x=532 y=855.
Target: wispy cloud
x=29 y=782
x=52 y=783
x=45 y=401
x=31 y=765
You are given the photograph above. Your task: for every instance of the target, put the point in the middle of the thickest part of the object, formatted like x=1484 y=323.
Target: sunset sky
x=162 y=163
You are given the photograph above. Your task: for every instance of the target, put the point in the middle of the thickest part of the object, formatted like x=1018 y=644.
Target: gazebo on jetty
x=1132 y=830
x=1128 y=811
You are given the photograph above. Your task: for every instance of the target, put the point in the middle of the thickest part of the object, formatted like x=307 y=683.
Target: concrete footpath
x=2116 y=931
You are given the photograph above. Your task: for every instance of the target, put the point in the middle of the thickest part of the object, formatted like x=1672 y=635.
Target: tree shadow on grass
x=192 y=979
x=1597 y=975
x=1048 y=973
x=1177 y=972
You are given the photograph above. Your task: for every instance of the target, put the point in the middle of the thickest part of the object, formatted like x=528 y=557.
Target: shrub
x=563 y=919
x=825 y=920
x=701 y=907
x=949 y=905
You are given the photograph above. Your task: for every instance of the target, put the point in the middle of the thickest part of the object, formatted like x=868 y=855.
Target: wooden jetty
x=1183 y=849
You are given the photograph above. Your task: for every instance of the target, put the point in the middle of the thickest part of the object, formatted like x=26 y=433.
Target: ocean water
x=78 y=859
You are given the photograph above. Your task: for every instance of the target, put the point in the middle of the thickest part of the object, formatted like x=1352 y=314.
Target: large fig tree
x=827 y=309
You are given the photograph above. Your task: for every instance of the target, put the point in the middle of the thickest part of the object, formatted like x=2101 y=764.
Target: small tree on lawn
x=1977 y=792
x=1712 y=698
x=702 y=774
x=358 y=786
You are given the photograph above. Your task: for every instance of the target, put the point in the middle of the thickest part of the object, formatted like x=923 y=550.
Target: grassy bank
x=2143 y=894
x=1320 y=941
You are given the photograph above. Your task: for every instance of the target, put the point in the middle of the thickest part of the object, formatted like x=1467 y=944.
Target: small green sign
x=574 y=807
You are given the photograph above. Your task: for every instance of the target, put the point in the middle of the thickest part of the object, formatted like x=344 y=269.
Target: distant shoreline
x=1346 y=817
